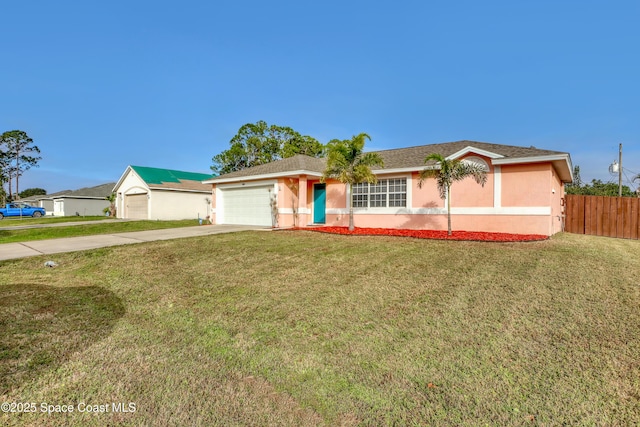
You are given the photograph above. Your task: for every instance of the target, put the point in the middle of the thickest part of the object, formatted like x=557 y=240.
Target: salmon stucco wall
x=523 y=198
x=288 y=202
x=557 y=208
x=212 y=211
x=517 y=224
x=309 y=193
x=336 y=195
x=514 y=199
x=425 y=197
x=468 y=193
x=526 y=185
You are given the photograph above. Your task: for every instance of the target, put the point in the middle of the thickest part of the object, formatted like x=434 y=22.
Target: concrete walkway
x=72 y=244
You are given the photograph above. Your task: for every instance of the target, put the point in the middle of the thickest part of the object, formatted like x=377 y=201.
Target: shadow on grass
x=41 y=326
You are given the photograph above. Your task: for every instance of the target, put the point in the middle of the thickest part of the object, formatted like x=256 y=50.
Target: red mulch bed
x=476 y=236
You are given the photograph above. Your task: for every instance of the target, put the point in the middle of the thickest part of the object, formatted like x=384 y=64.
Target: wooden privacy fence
x=603 y=216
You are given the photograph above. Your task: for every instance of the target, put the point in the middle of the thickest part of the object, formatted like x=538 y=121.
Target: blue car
x=19 y=209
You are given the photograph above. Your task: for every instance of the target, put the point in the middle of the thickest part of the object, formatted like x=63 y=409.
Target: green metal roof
x=160 y=176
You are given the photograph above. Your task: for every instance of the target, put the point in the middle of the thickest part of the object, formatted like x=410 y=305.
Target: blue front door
x=319 y=203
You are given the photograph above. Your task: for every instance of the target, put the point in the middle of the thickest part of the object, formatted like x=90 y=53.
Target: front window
x=385 y=193
x=360 y=195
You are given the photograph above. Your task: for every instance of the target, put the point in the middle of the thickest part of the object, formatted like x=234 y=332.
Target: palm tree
x=451 y=170
x=112 y=206
x=347 y=163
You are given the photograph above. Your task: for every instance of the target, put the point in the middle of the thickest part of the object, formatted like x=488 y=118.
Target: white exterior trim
x=497 y=186
x=401 y=170
x=138 y=190
x=262 y=176
x=477 y=161
x=246 y=184
x=512 y=210
x=538 y=159
x=533 y=210
x=76 y=197
x=471 y=149
x=289 y=211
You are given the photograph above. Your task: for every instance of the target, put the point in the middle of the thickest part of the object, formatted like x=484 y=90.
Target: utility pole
x=619 y=172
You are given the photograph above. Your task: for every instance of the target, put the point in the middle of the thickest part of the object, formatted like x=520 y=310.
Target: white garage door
x=248 y=206
x=136 y=206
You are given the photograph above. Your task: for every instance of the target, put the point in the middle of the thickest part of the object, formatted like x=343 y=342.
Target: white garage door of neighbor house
x=136 y=206
x=248 y=206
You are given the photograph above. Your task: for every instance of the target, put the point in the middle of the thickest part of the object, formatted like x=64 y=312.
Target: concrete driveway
x=72 y=244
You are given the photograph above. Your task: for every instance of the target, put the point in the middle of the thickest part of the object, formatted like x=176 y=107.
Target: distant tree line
x=597 y=187
x=17 y=155
x=32 y=192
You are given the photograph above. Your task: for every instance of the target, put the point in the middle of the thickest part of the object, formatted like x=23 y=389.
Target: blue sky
x=101 y=85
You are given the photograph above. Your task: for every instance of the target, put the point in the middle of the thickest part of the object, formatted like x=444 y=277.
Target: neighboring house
x=88 y=201
x=153 y=193
x=44 y=201
x=523 y=194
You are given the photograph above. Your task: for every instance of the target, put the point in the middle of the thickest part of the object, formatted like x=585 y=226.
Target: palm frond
x=370 y=160
x=362 y=173
x=427 y=174
x=347 y=163
x=462 y=170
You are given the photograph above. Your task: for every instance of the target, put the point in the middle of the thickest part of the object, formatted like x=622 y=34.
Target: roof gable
x=474 y=150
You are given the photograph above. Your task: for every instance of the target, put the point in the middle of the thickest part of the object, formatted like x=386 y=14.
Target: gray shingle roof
x=58 y=193
x=299 y=162
x=44 y=196
x=414 y=156
x=99 y=191
x=398 y=158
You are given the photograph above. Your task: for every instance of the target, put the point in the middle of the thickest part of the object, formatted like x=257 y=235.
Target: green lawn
x=87 y=229
x=14 y=221
x=300 y=328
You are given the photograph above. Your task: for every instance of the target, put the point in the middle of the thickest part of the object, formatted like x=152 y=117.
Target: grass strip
x=25 y=235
